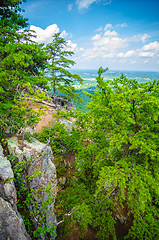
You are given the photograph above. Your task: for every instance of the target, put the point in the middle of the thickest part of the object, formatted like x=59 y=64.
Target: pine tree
x=61 y=79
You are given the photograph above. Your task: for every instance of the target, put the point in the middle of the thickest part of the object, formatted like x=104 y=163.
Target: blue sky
x=118 y=34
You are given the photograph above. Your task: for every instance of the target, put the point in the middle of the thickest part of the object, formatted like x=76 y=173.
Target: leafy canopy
x=117 y=157
x=21 y=65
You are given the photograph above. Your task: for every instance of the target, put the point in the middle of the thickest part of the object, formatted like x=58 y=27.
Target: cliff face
x=39 y=182
x=11 y=223
x=36 y=181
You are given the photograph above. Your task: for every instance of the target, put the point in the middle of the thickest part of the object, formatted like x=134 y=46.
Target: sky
x=118 y=34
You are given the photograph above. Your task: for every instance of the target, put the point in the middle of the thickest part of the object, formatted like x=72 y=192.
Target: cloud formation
x=84 y=4
x=121 y=25
x=109 y=47
x=44 y=36
x=145 y=37
x=70 y=6
x=108 y=40
x=151 y=46
x=110 y=34
x=96 y=37
x=71 y=46
x=108 y=26
x=128 y=54
x=106 y=46
x=146 y=54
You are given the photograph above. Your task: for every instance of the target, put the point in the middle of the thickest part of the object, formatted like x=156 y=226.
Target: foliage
x=60 y=140
x=60 y=77
x=117 y=159
x=21 y=66
x=116 y=142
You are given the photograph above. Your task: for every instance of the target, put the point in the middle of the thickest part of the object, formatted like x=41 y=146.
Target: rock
x=7 y=188
x=121 y=218
x=62 y=180
x=11 y=227
x=11 y=223
x=68 y=123
x=44 y=184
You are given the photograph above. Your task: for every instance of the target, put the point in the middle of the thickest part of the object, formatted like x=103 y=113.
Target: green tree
x=60 y=78
x=21 y=64
x=118 y=159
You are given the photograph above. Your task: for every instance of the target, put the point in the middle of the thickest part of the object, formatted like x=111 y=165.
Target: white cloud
x=110 y=34
x=146 y=54
x=145 y=37
x=64 y=34
x=110 y=43
x=150 y=50
x=71 y=46
x=128 y=54
x=84 y=4
x=109 y=55
x=121 y=25
x=108 y=47
x=139 y=38
x=81 y=49
x=151 y=46
x=107 y=26
x=96 y=37
x=44 y=36
x=99 y=29
x=70 y=6
x=104 y=46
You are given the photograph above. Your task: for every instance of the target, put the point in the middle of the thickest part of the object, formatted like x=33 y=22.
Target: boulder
x=11 y=223
x=7 y=188
x=11 y=226
x=41 y=173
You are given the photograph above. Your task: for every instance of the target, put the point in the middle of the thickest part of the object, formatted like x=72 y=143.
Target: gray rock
x=7 y=188
x=11 y=227
x=11 y=223
x=68 y=123
x=42 y=159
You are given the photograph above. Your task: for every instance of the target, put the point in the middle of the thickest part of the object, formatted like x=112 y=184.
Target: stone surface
x=62 y=180
x=7 y=188
x=42 y=159
x=68 y=123
x=11 y=223
x=11 y=227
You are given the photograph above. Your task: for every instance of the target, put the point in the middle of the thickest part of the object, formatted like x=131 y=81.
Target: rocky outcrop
x=40 y=181
x=11 y=223
x=68 y=123
x=7 y=188
x=60 y=102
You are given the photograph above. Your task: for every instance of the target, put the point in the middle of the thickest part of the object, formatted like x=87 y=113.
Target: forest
x=112 y=187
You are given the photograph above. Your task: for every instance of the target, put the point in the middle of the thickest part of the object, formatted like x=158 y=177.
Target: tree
x=117 y=161
x=60 y=78
x=21 y=65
